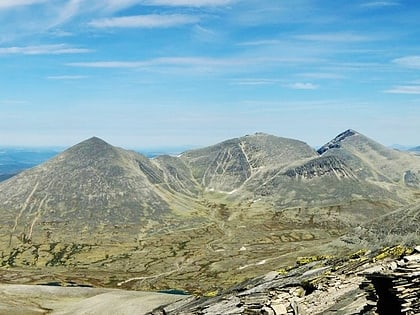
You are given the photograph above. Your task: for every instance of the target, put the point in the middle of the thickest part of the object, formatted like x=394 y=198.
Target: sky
x=167 y=73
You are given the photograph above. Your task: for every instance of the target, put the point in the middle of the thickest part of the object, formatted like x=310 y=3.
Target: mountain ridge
x=219 y=214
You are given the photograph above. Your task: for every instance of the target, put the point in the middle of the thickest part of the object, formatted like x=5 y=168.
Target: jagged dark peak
x=357 y=143
x=336 y=142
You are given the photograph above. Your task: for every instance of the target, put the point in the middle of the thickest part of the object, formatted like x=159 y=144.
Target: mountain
x=86 y=186
x=374 y=161
x=225 y=167
x=100 y=215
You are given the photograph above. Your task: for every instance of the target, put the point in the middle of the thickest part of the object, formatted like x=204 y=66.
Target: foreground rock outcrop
x=364 y=284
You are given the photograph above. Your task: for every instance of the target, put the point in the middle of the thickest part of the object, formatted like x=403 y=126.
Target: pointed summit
x=91 y=149
x=94 y=142
x=336 y=142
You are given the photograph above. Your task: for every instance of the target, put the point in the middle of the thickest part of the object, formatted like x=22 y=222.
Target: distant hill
x=218 y=215
x=14 y=160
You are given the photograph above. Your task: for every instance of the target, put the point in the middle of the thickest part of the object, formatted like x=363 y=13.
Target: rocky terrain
x=388 y=283
x=365 y=282
x=202 y=222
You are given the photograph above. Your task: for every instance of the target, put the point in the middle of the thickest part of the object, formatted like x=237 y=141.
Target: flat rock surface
x=36 y=299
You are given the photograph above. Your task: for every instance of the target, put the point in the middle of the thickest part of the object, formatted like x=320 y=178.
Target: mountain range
x=100 y=215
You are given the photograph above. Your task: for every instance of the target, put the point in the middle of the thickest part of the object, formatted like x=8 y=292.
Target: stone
x=279 y=309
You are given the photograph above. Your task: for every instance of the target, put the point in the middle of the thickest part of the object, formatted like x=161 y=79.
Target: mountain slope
x=349 y=170
x=218 y=215
x=89 y=184
x=228 y=165
x=373 y=161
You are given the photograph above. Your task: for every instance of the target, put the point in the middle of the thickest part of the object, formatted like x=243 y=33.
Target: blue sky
x=152 y=73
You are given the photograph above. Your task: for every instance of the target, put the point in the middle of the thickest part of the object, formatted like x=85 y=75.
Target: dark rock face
x=329 y=165
x=335 y=143
x=357 y=286
x=396 y=290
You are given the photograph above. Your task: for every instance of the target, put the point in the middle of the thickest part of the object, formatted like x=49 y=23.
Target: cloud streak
x=380 y=4
x=404 y=89
x=334 y=37
x=409 y=62
x=256 y=81
x=58 y=49
x=67 y=77
x=190 y=3
x=196 y=62
x=303 y=86
x=9 y=4
x=145 y=21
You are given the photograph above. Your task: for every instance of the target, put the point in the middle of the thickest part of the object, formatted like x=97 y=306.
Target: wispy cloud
x=321 y=75
x=145 y=21
x=7 y=4
x=409 y=62
x=334 y=37
x=165 y=61
x=261 y=42
x=380 y=4
x=303 y=86
x=204 y=62
x=58 y=49
x=67 y=77
x=13 y=102
x=256 y=81
x=115 y=5
x=404 y=89
x=107 y=64
x=190 y=3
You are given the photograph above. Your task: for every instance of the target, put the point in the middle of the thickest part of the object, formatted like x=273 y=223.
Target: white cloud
x=58 y=49
x=409 y=62
x=13 y=102
x=404 y=89
x=257 y=81
x=321 y=75
x=193 y=61
x=261 y=42
x=145 y=21
x=107 y=64
x=115 y=5
x=190 y=3
x=303 y=86
x=334 y=37
x=165 y=61
x=8 y=4
x=67 y=77
x=380 y=4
